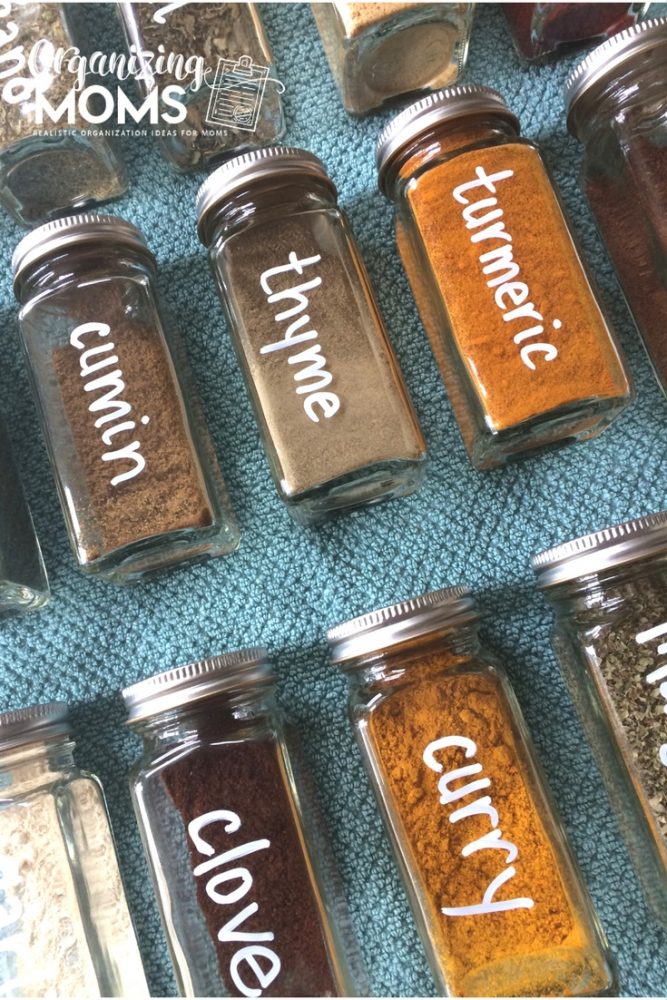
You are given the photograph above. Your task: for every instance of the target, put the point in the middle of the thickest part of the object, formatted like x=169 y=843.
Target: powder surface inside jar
x=249 y=782
x=524 y=321
x=143 y=479
x=626 y=184
x=321 y=371
x=433 y=741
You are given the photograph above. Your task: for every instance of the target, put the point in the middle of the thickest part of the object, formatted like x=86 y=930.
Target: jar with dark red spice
x=543 y=29
x=250 y=902
x=617 y=107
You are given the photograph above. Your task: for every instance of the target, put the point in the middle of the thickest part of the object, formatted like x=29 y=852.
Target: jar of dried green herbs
x=46 y=166
x=225 y=81
x=609 y=591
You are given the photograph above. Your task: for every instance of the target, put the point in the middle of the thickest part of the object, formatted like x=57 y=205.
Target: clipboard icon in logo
x=237 y=92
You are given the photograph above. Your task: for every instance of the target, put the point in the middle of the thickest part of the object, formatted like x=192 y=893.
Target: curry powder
x=546 y=943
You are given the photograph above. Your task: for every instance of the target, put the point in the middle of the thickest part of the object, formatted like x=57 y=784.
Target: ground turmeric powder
x=496 y=894
x=523 y=346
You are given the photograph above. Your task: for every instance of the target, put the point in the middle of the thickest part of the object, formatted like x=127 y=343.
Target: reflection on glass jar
x=524 y=349
x=380 y=51
x=138 y=479
x=23 y=583
x=617 y=107
x=65 y=928
x=336 y=420
x=47 y=166
x=249 y=899
x=542 y=29
x=496 y=894
x=609 y=593
x=228 y=99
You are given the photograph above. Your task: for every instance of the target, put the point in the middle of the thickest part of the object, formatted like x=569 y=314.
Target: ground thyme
x=168 y=494
x=249 y=779
x=541 y=946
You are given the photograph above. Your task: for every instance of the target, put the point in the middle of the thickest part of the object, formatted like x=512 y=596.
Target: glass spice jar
x=609 y=596
x=523 y=346
x=249 y=900
x=379 y=51
x=336 y=419
x=46 y=167
x=496 y=894
x=617 y=107
x=544 y=29
x=65 y=929
x=138 y=479
x=23 y=582
x=233 y=99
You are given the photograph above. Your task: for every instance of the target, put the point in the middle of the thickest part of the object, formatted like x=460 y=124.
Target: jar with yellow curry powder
x=523 y=346
x=496 y=894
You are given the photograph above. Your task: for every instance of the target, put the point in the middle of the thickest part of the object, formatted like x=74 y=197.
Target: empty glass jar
x=617 y=107
x=542 y=29
x=138 y=479
x=496 y=894
x=609 y=596
x=65 y=930
x=379 y=51
x=250 y=903
x=47 y=166
x=524 y=349
x=336 y=420
x=23 y=583
x=231 y=100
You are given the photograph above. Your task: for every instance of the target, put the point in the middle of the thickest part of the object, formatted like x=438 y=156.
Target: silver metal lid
x=33 y=724
x=231 y=672
x=606 y=61
x=602 y=550
x=248 y=168
x=59 y=234
x=399 y=622
x=452 y=102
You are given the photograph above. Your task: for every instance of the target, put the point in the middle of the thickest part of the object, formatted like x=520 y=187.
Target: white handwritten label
x=12 y=939
x=252 y=961
x=486 y=219
x=659 y=674
x=479 y=806
x=310 y=364
x=97 y=354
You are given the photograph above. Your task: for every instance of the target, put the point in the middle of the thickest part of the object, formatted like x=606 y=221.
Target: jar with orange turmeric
x=496 y=894
x=524 y=348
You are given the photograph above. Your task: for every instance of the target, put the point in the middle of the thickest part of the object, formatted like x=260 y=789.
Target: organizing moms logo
x=52 y=82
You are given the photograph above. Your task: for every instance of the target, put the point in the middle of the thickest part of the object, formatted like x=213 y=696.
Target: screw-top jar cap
x=248 y=168
x=230 y=673
x=399 y=622
x=606 y=61
x=602 y=550
x=34 y=724
x=59 y=234
x=450 y=103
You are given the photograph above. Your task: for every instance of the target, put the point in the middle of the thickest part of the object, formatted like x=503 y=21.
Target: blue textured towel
x=285 y=585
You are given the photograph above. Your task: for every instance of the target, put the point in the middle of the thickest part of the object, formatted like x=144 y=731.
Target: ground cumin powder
x=544 y=950
x=587 y=365
x=169 y=494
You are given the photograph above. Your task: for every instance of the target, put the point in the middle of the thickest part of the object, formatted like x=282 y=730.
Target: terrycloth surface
x=285 y=585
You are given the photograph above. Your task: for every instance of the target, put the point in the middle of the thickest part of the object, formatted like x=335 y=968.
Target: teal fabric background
x=285 y=585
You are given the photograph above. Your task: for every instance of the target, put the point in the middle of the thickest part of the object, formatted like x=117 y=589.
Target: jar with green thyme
x=609 y=592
